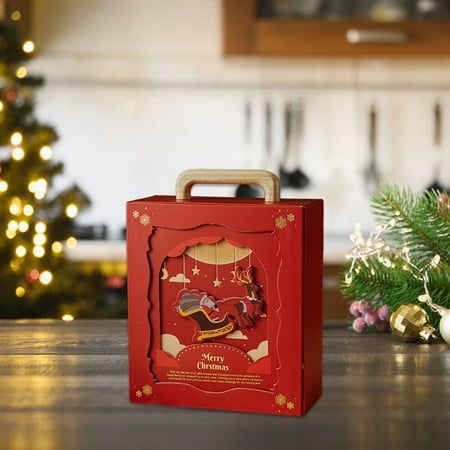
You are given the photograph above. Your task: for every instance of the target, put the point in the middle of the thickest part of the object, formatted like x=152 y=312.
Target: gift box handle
x=263 y=178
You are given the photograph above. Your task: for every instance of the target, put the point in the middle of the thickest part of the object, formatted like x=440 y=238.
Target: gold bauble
x=410 y=323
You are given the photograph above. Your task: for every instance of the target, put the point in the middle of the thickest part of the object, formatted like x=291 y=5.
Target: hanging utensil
x=293 y=121
x=247 y=190
x=371 y=176
x=438 y=149
x=268 y=130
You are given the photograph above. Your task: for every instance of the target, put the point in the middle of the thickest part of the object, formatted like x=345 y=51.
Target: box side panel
x=312 y=303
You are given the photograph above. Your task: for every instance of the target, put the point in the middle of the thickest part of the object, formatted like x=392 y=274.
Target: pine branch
x=419 y=225
x=395 y=286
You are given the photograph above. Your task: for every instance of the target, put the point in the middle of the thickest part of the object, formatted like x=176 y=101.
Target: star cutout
x=195 y=270
x=135 y=213
x=138 y=394
x=290 y=405
x=217 y=283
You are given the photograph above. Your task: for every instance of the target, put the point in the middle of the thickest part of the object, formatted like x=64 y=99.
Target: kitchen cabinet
x=398 y=28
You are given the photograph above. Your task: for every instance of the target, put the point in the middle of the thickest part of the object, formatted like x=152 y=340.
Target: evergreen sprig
x=420 y=223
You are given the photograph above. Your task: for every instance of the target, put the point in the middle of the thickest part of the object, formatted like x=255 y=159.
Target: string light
x=46 y=277
x=10 y=234
x=39 y=239
x=45 y=152
x=67 y=317
x=71 y=242
x=34 y=274
x=21 y=251
x=15 y=206
x=21 y=72
x=28 y=210
x=20 y=291
x=28 y=46
x=16 y=138
x=38 y=251
x=57 y=247
x=16 y=15
x=71 y=210
x=18 y=153
x=3 y=186
x=13 y=225
x=15 y=265
x=40 y=227
x=23 y=226
x=1 y=106
x=375 y=245
x=38 y=188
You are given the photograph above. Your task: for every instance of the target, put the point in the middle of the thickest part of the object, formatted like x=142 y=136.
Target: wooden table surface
x=64 y=386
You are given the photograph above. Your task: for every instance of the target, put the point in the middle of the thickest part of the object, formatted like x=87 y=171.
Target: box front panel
x=214 y=306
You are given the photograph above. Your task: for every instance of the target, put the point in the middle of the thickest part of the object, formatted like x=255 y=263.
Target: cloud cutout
x=237 y=334
x=179 y=278
x=260 y=352
x=171 y=345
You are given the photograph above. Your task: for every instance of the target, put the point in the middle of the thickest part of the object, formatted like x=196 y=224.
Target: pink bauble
x=381 y=325
x=364 y=306
x=359 y=325
x=354 y=309
x=383 y=312
x=370 y=317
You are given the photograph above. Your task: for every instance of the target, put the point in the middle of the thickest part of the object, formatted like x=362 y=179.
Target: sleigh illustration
x=195 y=305
x=206 y=311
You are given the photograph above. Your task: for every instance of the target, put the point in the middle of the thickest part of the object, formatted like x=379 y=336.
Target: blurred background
x=334 y=96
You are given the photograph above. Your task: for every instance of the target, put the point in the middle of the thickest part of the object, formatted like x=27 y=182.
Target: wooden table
x=64 y=386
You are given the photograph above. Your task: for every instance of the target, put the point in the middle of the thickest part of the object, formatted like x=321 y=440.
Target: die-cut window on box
x=213 y=315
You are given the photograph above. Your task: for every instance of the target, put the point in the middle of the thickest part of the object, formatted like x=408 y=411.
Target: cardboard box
x=225 y=298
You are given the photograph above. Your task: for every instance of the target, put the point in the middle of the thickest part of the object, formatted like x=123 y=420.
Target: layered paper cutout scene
x=213 y=292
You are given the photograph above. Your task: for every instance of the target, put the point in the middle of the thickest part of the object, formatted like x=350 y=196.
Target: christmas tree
x=36 y=223
x=406 y=258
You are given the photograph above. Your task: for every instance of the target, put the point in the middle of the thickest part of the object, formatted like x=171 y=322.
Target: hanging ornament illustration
x=217 y=282
x=164 y=271
x=218 y=317
x=195 y=269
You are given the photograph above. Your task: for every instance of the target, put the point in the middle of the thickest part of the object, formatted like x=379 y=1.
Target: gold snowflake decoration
x=290 y=217
x=144 y=219
x=280 y=399
x=135 y=213
x=138 y=394
x=280 y=222
x=290 y=405
x=147 y=390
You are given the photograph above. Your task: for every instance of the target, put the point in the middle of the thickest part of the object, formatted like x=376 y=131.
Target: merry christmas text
x=212 y=362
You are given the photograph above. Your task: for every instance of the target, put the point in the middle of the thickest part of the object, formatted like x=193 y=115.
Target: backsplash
x=180 y=105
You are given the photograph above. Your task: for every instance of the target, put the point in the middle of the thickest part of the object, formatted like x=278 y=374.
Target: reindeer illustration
x=245 y=310
x=216 y=318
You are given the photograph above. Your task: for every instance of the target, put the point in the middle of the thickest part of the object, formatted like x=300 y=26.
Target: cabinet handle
x=357 y=36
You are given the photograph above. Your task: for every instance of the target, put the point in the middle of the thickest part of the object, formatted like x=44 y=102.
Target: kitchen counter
x=335 y=248
x=64 y=386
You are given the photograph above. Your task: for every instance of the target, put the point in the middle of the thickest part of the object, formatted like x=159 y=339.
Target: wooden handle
x=267 y=180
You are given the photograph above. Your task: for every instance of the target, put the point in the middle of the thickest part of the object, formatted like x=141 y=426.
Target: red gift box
x=225 y=298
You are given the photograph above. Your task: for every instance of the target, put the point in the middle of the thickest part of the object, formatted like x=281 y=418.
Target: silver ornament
x=444 y=325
